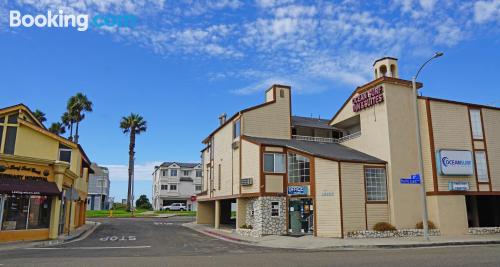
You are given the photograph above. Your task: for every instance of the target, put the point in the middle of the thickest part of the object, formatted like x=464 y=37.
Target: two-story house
x=98 y=192
x=295 y=175
x=176 y=182
x=43 y=179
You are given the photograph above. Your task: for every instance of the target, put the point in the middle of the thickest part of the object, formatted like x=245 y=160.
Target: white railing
x=326 y=139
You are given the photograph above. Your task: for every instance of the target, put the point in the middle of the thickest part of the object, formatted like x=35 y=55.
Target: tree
x=77 y=105
x=133 y=124
x=143 y=203
x=39 y=115
x=67 y=120
x=57 y=128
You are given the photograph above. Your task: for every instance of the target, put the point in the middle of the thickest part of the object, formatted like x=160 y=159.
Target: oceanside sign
x=455 y=162
x=367 y=99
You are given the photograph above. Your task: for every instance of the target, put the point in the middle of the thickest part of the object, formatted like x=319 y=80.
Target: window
x=65 y=155
x=274 y=162
x=186 y=173
x=197 y=188
x=1 y=135
x=376 y=187
x=10 y=140
x=173 y=187
x=481 y=166
x=173 y=172
x=101 y=183
x=164 y=187
x=12 y=119
x=236 y=129
x=164 y=173
x=476 y=125
x=199 y=173
x=298 y=168
x=275 y=208
x=23 y=212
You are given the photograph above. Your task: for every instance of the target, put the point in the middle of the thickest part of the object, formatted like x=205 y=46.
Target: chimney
x=222 y=118
x=386 y=67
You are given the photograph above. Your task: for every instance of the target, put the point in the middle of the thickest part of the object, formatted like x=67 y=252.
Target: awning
x=28 y=187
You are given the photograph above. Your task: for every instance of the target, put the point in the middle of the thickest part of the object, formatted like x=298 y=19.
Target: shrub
x=420 y=225
x=384 y=226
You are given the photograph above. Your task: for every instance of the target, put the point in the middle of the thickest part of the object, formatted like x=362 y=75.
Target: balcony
x=326 y=139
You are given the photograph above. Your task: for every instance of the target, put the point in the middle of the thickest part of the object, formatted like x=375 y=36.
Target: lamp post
x=425 y=216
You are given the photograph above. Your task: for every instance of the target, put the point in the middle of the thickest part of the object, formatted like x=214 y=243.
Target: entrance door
x=301 y=216
x=62 y=213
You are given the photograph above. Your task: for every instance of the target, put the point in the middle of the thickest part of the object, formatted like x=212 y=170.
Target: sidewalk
x=78 y=234
x=322 y=243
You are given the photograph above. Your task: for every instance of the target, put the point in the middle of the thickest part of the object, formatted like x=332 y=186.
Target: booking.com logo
x=60 y=20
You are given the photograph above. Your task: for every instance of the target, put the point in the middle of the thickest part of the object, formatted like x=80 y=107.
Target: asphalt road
x=164 y=242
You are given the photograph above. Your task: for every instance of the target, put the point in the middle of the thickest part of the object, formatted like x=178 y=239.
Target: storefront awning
x=10 y=185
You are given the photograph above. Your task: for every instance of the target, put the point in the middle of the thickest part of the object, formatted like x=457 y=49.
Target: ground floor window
x=376 y=186
x=22 y=212
x=483 y=211
x=275 y=208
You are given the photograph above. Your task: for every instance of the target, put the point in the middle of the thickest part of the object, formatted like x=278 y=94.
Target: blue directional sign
x=414 y=179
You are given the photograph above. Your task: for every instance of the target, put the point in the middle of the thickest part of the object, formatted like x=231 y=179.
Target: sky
x=183 y=63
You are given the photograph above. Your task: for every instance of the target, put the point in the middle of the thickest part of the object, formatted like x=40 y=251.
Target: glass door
x=300 y=216
x=62 y=213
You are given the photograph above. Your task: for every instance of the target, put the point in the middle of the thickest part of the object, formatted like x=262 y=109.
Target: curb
x=345 y=247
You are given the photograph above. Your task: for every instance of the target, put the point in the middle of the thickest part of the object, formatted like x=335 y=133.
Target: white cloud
x=271 y=3
x=143 y=172
x=485 y=11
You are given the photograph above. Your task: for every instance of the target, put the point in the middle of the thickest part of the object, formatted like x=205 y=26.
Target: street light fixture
x=425 y=216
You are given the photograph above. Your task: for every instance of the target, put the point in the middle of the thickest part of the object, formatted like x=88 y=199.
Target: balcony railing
x=327 y=139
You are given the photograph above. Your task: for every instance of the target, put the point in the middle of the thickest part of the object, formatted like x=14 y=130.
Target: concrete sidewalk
x=322 y=243
x=75 y=235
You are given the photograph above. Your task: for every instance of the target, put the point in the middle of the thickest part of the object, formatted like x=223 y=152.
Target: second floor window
x=173 y=187
x=199 y=173
x=274 y=162
x=173 y=172
x=164 y=187
x=481 y=166
x=64 y=153
x=186 y=173
x=197 y=187
x=298 y=168
x=476 y=125
x=164 y=173
x=236 y=129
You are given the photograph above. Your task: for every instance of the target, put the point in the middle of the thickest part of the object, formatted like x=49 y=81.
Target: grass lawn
x=178 y=213
x=116 y=213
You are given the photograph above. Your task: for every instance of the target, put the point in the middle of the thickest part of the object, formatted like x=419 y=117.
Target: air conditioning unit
x=247 y=181
x=236 y=144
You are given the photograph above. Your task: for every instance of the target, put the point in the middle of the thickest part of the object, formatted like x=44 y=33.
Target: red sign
x=367 y=99
x=193 y=198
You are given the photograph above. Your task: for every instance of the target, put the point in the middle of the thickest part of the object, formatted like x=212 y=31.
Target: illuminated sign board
x=367 y=99
x=455 y=162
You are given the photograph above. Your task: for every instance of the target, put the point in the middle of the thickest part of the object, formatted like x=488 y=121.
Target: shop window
x=39 y=212
x=476 y=125
x=236 y=129
x=298 y=168
x=481 y=166
x=376 y=186
x=10 y=140
x=274 y=162
x=21 y=212
x=275 y=208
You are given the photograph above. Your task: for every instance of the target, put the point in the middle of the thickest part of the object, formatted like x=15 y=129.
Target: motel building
x=43 y=179
x=285 y=174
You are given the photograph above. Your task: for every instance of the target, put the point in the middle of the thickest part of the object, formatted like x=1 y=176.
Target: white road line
x=130 y=247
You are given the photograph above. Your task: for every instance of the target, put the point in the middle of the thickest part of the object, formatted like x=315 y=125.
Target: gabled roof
x=180 y=164
x=311 y=122
x=329 y=151
x=24 y=108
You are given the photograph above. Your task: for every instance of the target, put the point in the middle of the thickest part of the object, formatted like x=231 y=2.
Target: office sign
x=297 y=190
x=455 y=162
x=458 y=186
x=367 y=99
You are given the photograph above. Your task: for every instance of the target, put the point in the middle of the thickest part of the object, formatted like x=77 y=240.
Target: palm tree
x=39 y=115
x=68 y=121
x=77 y=105
x=133 y=124
x=57 y=128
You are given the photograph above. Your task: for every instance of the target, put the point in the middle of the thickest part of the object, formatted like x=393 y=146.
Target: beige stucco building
x=295 y=175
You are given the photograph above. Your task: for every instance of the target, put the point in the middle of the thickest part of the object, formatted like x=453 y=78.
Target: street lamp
x=425 y=216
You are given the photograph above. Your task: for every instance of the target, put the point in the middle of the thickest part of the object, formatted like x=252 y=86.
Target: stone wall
x=259 y=217
x=484 y=230
x=397 y=233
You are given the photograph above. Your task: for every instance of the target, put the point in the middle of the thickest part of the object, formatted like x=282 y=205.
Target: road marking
x=163 y=223
x=90 y=248
x=116 y=238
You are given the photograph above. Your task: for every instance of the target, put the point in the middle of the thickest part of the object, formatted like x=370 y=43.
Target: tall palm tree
x=77 y=105
x=68 y=121
x=57 y=128
x=39 y=115
x=133 y=124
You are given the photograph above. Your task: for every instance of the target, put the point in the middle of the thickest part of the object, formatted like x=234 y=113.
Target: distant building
x=98 y=196
x=176 y=182
x=124 y=201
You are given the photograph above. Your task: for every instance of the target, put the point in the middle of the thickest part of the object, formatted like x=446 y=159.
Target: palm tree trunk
x=130 y=168
x=76 y=132
x=71 y=131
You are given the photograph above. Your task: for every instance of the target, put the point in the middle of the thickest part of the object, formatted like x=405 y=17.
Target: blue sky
x=186 y=62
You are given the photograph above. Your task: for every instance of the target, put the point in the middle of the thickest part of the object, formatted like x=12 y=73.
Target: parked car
x=175 y=206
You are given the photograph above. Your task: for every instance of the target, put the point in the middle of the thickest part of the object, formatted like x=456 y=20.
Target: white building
x=176 y=182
